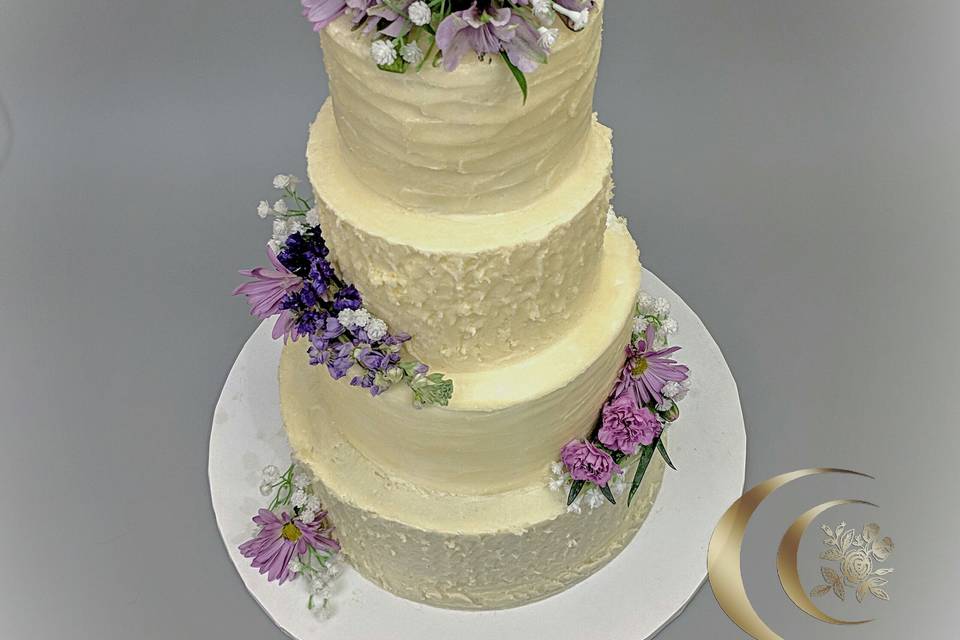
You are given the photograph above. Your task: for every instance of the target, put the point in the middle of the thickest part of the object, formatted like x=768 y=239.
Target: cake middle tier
x=475 y=291
x=503 y=427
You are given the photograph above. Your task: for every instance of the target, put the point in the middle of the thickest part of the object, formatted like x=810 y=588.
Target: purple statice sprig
x=406 y=34
x=629 y=429
x=293 y=536
x=312 y=301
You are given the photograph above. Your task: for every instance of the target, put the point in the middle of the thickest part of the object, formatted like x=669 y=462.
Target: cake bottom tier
x=458 y=551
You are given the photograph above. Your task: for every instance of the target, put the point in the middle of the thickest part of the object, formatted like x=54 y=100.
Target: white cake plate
x=634 y=596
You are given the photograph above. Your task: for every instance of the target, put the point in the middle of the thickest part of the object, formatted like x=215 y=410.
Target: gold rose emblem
x=857 y=553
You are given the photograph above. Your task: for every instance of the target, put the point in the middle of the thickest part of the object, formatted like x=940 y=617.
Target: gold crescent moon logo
x=723 y=555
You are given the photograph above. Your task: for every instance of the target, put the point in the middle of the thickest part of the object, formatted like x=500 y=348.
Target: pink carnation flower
x=587 y=462
x=626 y=425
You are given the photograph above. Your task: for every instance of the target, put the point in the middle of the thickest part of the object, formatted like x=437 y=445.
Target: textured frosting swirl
x=475 y=291
x=462 y=142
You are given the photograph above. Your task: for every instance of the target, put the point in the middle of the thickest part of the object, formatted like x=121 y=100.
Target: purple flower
x=587 y=462
x=340 y=360
x=576 y=5
x=323 y=12
x=265 y=293
x=523 y=47
x=347 y=298
x=283 y=537
x=397 y=25
x=626 y=425
x=473 y=29
x=648 y=369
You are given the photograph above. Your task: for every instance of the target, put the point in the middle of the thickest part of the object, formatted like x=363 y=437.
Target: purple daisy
x=283 y=537
x=267 y=291
x=648 y=369
x=323 y=12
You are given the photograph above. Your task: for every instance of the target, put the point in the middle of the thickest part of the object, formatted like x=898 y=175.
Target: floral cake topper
x=408 y=33
x=310 y=300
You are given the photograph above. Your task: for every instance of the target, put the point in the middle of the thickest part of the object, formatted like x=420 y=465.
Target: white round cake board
x=633 y=597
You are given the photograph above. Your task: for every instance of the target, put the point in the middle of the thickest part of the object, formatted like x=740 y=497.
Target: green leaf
x=517 y=74
x=663 y=452
x=605 y=490
x=575 y=490
x=645 y=456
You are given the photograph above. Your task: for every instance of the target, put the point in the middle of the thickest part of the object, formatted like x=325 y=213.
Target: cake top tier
x=450 y=131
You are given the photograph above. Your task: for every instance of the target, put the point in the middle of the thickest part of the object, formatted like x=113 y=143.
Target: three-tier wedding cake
x=473 y=214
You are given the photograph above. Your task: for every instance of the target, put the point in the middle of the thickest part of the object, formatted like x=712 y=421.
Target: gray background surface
x=791 y=168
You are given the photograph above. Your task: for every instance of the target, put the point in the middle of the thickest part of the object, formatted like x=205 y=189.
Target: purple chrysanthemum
x=648 y=369
x=283 y=537
x=323 y=12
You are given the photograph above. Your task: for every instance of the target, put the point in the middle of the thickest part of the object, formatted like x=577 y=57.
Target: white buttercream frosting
x=463 y=141
x=503 y=426
x=474 y=291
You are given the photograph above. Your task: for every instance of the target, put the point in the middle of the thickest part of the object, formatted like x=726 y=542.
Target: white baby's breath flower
x=376 y=329
x=670 y=389
x=665 y=406
x=671 y=326
x=594 y=498
x=419 y=13
x=266 y=488
x=281 y=230
x=346 y=318
x=644 y=302
x=618 y=485
x=263 y=209
x=543 y=10
x=639 y=324
x=661 y=307
x=299 y=498
x=548 y=37
x=556 y=484
x=312 y=217
x=281 y=181
x=270 y=473
x=297 y=227
x=313 y=504
x=307 y=516
x=301 y=480
x=411 y=53
x=332 y=569
x=280 y=206
x=296 y=566
x=361 y=317
x=574 y=507
x=556 y=468
x=275 y=245
x=383 y=52
x=578 y=20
